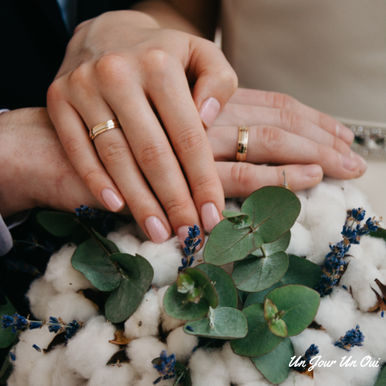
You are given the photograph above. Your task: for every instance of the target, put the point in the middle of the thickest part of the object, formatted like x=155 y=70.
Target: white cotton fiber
x=126 y=242
x=371 y=251
x=142 y=351
x=181 y=344
x=90 y=349
x=70 y=306
x=241 y=369
x=122 y=375
x=208 y=368
x=61 y=273
x=148 y=379
x=26 y=355
x=303 y=197
x=168 y=323
x=165 y=259
x=360 y=276
x=39 y=294
x=301 y=243
x=340 y=308
x=41 y=372
x=296 y=379
x=145 y=320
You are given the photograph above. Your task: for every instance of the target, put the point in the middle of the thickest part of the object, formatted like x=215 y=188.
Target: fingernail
x=209 y=215
x=209 y=111
x=113 y=202
x=156 y=229
x=348 y=163
x=312 y=171
x=361 y=161
x=344 y=133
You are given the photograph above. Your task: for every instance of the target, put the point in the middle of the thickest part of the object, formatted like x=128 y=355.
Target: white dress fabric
x=328 y=54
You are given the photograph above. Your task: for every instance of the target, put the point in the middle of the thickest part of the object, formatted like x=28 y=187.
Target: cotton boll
x=148 y=379
x=142 y=351
x=140 y=233
x=39 y=294
x=168 y=323
x=41 y=372
x=26 y=355
x=295 y=378
x=241 y=369
x=303 y=197
x=301 y=243
x=146 y=318
x=90 y=349
x=165 y=259
x=125 y=242
x=70 y=306
x=181 y=344
x=355 y=198
x=121 y=375
x=371 y=250
x=339 y=306
x=360 y=276
x=61 y=273
x=373 y=328
x=208 y=368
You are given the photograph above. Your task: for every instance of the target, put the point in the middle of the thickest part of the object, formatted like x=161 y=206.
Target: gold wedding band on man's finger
x=103 y=127
x=242 y=146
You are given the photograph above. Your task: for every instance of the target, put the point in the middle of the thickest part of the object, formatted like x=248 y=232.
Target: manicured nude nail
x=112 y=201
x=209 y=215
x=348 y=163
x=209 y=111
x=361 y=161
x=156 y=229
x=312 y=171
x=344 y=133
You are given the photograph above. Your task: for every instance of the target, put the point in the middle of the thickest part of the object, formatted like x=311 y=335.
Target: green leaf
x=226 y=244
x=106 y=243
x=92 y=259
x=278 y=328
x=185 y=283
x=275 y=365
x=7 y=337
x=302 y=271
x=177 y=305
x=272 y=210
x=281 y=244
x=221 y=323
x=259 y=273
x=380 y=233
x=381 y=380
x=137 y=275
x=270 y=310
x=259 y=340
x=240 y=220
x=223 y=283
x=57 y=223
x=5 y=370
x=258 y=297
x=299 y=303
x=182 y=375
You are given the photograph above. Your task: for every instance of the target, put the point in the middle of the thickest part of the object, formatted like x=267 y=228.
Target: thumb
x=215 y=79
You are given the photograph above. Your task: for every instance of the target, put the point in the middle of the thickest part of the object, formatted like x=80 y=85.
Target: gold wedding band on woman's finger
x=242 y=146
x=103 y=127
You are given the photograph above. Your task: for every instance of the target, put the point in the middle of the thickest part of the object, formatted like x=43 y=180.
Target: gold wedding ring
x=242 y=143
x=103 y=127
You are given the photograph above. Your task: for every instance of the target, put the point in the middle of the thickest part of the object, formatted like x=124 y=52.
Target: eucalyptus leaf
x=182 y=375
x=302 y=271
x=93 y=261
x=137 y=275
x=275 y=365
x=259 y=273
x=240 y=220
x=281 y=244
x=270 y=310
x=57 y=223
x=299 y=303
x=5 y=370
x=279 y=328
x=258 y=297
x=379 y=233
x=223 y=283
x=7 y=337
x=272 y=210
x=106 y=243
x=381 y=380
x=221 y=323
x=259 y=340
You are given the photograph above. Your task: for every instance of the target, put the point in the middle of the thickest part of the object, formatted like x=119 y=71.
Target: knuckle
x=113 y=152
x=157 y=60
x=228 y=77
x=282 y=101
x=271 y=137
x=90 y=177
x=80 y=75
x=152 y=154
x=205 y=184
x=74 y=146
x=190 y=141
x=111 y=67
x=55 y=91
x=242 y=174
x=176 y=206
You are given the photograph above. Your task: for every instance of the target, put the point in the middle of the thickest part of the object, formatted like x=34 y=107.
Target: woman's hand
x=120 y=65
x=282 y=131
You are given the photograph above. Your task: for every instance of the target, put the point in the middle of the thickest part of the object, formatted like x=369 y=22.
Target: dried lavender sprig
x=352 y=338
x=165 y=366
x=191 y=243
x=306 y=358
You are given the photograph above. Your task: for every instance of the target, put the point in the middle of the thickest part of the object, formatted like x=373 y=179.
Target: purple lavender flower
x=352 y=338
x=165 y=366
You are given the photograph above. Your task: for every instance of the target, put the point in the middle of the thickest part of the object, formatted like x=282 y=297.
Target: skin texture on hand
x=121 y=65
